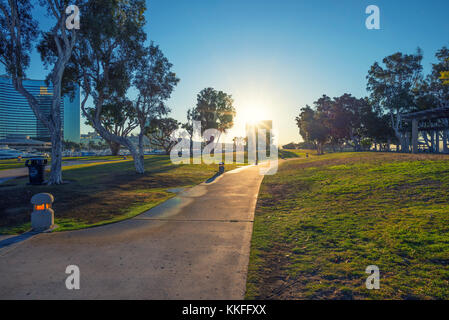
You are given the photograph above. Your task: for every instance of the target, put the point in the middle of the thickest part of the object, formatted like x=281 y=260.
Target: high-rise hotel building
x=18 y=120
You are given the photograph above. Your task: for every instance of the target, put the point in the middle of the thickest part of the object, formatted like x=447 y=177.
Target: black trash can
x=221 y=168
x=36 y=170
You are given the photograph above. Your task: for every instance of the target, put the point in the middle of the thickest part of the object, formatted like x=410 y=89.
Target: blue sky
x=277 y=56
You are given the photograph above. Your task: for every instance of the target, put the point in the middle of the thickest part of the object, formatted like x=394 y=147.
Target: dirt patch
x=279 y=285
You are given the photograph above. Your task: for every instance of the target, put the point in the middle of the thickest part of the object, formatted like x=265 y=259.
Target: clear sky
x=275 y=56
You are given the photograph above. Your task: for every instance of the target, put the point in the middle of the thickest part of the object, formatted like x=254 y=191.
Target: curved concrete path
x=193 y=246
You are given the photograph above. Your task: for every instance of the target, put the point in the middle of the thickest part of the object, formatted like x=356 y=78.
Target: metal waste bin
x=221 y=168
x=36 y=170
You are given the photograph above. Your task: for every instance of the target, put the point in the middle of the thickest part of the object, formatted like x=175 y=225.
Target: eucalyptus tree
x=112 y=58
x=439 y=77
x=391 y=88
x=349 y=121
x=107 y=58
x=18 y=31
x=312 y=127
x=155 y=83
x=377 y=126
x=214 y=110
x=118 y=116
x=160 y=133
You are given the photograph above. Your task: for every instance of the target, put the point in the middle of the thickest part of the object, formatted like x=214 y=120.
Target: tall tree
x=118 y=117
x=431 y=92
x=377 y=126
x=443 y=56
x=215 y=110
x=155 y=83
x=392 y=86
x=350 y=118
x=440 y=76
x=18 y=30
x=334 y=118
x=111 y=60
x=188 y=126
x=160 y=132
x=312 y=127
x=108 y=57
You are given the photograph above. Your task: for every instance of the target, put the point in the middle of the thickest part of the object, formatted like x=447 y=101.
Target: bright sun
x=251 y=114
x=247 y=114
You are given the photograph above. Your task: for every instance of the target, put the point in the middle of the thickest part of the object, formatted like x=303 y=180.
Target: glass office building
x=18 y=120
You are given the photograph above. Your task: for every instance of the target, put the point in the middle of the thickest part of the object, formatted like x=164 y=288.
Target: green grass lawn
x=320 y=222
x=100 y=193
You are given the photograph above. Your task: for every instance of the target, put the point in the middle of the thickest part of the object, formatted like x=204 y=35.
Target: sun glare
x=251 y=115
x=247 y=114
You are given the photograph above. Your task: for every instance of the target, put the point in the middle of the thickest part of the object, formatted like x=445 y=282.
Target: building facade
x=18 y=120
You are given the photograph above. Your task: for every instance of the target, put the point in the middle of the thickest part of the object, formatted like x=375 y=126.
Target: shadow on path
x=16 y=239
x=212 y=179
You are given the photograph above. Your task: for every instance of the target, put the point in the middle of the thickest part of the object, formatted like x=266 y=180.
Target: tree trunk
x=53 y=125
x=56 y=132
x=437 y=141
x=108 y=136
x=396 y=124
x=355 y=142
x=403 y=140
x=320 y=148
x=115 y=147
x=445 y=136
x=139 y=164
x=64 y=47
x=56 y=158
x=168 y=147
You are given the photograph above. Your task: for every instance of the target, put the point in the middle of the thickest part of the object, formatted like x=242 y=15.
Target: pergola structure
x=430 y=122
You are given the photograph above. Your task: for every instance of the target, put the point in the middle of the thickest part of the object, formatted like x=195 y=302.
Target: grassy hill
x=321 y=221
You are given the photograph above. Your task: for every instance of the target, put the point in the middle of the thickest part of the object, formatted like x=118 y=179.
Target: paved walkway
x=193 y=246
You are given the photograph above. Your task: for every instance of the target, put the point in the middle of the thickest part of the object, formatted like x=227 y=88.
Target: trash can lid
x=41 y=198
